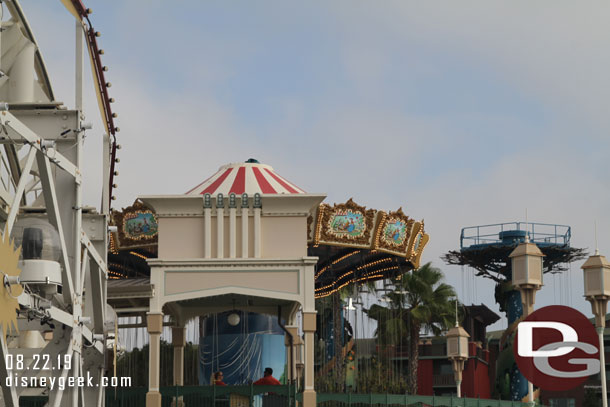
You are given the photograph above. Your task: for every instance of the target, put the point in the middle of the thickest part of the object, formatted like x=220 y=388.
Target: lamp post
x=597 y=291
x=526 y=265
x=457 y=352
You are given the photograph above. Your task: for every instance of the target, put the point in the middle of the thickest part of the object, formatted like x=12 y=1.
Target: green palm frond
x=422 y=296
x=420 y=300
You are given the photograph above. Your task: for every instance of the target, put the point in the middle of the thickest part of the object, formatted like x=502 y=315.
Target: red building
x=435 y=373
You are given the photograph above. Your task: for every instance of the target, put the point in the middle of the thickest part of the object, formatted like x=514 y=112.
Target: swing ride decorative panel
x=418 y=241
x=347 y=224
x=136 y=226
x=355 y=245
x=394 y=232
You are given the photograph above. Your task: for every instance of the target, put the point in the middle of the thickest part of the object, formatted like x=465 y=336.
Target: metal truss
x=40 y=160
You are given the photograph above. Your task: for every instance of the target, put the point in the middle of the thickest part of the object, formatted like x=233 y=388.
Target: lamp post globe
x=457 y=352
x=596 y=271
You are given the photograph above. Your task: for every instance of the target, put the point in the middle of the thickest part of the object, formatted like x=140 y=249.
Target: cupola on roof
x=250 y=177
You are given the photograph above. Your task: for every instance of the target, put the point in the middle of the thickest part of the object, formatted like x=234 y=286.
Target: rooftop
x=250 y=177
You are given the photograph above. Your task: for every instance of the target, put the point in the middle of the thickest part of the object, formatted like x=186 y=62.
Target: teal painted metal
x=404 y=400
x=285 y=396
x=220 y=396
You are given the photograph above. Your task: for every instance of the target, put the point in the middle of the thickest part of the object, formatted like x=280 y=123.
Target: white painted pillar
x=207 y=233
x=220 y=229
x=232 y=233
x=244 y=231
x=257 y=233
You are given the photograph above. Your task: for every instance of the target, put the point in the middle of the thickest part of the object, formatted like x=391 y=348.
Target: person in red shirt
x=267 y=379
x=218 y=379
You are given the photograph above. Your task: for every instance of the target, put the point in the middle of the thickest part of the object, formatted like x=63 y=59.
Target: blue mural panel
x=241 y=351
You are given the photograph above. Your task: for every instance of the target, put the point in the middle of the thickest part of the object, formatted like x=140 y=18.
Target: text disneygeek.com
x=18 y=369
x=61 y=383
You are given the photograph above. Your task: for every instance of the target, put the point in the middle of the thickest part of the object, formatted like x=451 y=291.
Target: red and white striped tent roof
x=250 y=177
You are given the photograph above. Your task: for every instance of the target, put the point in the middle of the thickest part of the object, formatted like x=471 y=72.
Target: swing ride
x=242 y=213
x=52 y=299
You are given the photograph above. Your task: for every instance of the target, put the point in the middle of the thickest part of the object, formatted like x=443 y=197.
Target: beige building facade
x=219 y=250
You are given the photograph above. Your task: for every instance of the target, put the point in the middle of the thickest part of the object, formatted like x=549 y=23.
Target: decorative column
x=178 y=341
x=597 y=291
x=457 y=352
x=257 y=225
x=244 y=225
x=220 y=226
x=300 y=361
x=526 y=263
x=232 y=226
x=309 y=328
x=155 y=327
x=291 y=352
x=207 y=226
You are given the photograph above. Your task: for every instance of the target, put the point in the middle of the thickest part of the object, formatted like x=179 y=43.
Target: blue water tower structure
x=486 y=249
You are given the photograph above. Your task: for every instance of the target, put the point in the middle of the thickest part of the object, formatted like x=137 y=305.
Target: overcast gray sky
x=463 y=113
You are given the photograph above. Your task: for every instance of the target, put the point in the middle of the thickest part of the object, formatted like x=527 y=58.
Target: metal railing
x=424 y=350
x=435 y=349
x=539 y=233
x=285 y=396
x=444 y=380
x=207 y=396
x=439 y=350
x=404 y=400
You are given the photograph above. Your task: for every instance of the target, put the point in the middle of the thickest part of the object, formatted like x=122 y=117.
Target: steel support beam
x=17 y=131
x=50 y=198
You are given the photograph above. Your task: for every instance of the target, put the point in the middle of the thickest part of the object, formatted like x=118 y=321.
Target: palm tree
x=420 y=300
